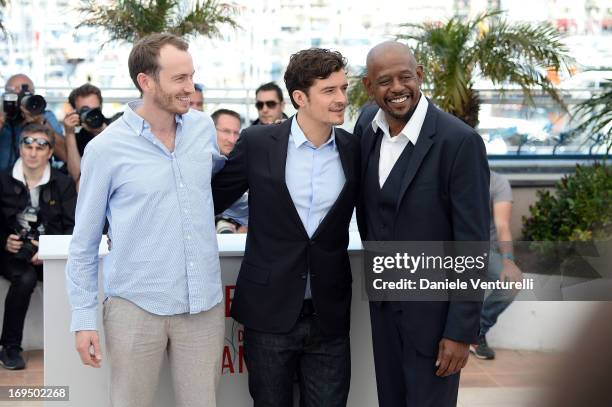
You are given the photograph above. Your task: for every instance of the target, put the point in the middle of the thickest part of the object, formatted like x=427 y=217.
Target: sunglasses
x=270 y=104
x=31 y=140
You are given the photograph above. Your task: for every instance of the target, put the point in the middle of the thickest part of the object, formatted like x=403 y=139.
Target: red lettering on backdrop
x=227 y=361
x=229 y=294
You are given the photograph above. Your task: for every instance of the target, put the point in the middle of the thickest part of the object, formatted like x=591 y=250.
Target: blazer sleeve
x=469 y=193
x=232 y=181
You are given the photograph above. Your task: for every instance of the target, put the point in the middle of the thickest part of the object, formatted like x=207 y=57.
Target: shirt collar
x=19 y=175
x=412 y=129
x=299 y=138
x=136 y=122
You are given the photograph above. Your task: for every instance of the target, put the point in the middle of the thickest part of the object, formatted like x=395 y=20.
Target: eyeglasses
x=228 y=131
x=31 y=140
x=270 y=104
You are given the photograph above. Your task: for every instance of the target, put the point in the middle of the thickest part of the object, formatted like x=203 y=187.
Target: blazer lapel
x=421 y=149
x=277 y=159
x=368 y=143
x=346 y=159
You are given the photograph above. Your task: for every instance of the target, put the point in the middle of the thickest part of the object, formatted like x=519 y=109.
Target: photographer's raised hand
x=13 y=244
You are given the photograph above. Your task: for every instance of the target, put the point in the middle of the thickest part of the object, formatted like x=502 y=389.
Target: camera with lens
x=226 y=225
x=32 y=231
x=92 y=117
x=12 y=102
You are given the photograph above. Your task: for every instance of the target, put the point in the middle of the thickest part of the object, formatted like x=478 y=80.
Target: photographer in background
x=197 y=98
x=86 y=100
x=35 y=199
x=227 y=122
x=20 y=107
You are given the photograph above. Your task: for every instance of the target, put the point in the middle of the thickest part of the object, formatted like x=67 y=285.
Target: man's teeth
x=399 y=100
x=184 y=99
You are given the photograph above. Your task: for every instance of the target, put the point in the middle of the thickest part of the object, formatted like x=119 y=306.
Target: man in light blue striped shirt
x=149 y=174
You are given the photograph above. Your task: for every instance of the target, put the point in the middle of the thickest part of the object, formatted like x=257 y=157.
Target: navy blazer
x=444 y=196
x=279 y=253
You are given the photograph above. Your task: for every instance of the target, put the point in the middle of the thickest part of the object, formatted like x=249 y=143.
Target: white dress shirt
x=391 y=147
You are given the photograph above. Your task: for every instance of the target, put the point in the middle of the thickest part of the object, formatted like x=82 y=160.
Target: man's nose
x=396 y=85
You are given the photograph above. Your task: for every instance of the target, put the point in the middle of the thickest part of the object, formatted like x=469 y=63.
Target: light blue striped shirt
x=314 y=178
x=158 y=203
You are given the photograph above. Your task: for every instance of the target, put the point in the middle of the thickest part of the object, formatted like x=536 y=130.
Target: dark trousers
x=404 y=376
x=496 y=301
x=321 y=363
x=23 y=277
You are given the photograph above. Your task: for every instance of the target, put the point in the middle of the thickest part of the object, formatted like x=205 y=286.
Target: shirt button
x=187 y=237
x=181 y=185
x=190 y=264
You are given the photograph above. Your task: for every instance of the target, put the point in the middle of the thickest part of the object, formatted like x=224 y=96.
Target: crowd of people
x=173 y=175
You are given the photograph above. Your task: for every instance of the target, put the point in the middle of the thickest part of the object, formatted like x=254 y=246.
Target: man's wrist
x=508 y=256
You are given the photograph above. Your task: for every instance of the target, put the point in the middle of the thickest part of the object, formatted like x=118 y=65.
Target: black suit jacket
x=444 y=196
x=278 y=253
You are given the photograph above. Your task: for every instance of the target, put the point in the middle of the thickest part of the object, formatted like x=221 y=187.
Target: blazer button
x=312 y=275
x=303 y=276
x=312 y=242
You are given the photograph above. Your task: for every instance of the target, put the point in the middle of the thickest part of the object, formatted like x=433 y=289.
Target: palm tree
x=129 y=20
x=453 y=53
x=595 y=115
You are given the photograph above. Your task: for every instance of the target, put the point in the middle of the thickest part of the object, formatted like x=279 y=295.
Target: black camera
x=92 y=117
x=11 y=103
x=31 y=231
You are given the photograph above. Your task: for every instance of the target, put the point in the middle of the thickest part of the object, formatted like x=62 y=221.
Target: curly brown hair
x=308 y=65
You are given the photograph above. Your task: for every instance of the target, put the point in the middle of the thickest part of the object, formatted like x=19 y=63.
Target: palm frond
x=518 y=53
x=595 y=115
x=206 y=18
x=129 y=20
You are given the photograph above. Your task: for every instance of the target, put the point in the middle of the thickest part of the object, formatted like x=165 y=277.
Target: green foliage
x=596 y=116
x=579 y=210
x=453 y=53
x=129 y=20
x=357 y=94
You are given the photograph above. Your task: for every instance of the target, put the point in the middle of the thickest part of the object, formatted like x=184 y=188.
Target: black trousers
x=321 y=363
x=404 y=376
x=23 y=277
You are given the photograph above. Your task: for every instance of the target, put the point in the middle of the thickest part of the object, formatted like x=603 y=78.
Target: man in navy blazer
x=293 y=293
x=424 y=177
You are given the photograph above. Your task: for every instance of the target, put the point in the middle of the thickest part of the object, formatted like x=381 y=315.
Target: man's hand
x=30 y=118
x=452 y=357
x=88 y=346
x=71 y=120
x=13 y=244
x=35 y=260
x=510 y=272
x=2 y=119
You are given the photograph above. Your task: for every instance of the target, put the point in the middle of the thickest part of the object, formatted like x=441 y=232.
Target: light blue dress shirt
x=164 y=255
x=314 y=178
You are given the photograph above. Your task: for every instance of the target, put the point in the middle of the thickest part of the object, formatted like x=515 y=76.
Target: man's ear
x=419 y=74
x=366 y=84
x=144 y=81
x=300 y=98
